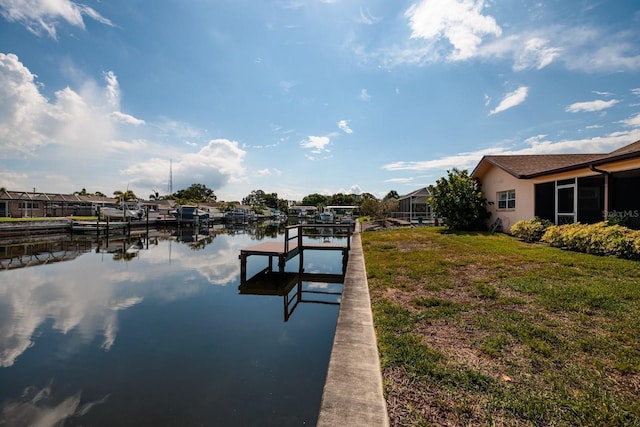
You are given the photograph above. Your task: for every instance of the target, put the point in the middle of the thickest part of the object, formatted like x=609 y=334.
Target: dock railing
x=300 y=233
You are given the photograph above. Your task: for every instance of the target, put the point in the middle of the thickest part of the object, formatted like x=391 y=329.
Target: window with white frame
x=507 y=199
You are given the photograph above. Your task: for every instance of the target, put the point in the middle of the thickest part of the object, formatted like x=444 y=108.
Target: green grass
x=79 y=218
x=497 y=331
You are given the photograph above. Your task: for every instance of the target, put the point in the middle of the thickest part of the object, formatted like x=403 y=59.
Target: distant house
x=563 y=188
x=303 y=211
x=414 y=206
x=28 y=204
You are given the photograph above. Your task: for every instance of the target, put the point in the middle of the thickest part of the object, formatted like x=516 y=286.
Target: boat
x=338 y=214
x=123 y=212
x=240 y=215
x=191 y=215
x=326 y=217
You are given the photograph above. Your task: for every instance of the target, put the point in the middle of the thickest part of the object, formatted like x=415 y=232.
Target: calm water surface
x=157 y=333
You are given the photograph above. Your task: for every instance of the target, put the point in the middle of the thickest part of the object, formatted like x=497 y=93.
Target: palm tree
x=124 y=196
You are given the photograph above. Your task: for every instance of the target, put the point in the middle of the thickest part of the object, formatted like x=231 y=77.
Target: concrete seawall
x=353 y=389
x=27 y=227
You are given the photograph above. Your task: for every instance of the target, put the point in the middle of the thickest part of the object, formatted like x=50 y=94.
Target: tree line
x=456 y=198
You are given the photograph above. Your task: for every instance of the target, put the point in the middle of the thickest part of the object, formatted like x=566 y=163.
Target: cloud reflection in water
x=86 y=294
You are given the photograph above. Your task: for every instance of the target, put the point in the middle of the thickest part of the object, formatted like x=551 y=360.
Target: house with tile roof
x=563 y=188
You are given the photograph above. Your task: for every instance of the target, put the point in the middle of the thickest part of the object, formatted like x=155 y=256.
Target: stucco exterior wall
x=496 y=180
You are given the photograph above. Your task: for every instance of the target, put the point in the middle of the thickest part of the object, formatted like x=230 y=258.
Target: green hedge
x=598 y=239
x=530 y=230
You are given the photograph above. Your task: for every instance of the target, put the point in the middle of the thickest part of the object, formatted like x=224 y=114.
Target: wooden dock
x=294 y=245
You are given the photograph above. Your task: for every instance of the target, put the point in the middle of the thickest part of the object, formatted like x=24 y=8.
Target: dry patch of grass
x=482 y=329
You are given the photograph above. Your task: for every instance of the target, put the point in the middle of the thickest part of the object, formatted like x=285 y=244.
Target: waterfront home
x=563 y=188
x=303 y=211
x=414 y=206
x=33 y=204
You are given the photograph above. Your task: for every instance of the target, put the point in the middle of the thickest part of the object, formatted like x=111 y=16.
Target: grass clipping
x=483 y=329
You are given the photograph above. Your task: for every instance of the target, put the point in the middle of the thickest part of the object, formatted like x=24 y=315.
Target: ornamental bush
x=598 y=239
x=458 y=199
x=530 y=230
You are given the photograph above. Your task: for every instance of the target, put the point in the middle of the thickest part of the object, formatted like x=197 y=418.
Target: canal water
x=156 y=332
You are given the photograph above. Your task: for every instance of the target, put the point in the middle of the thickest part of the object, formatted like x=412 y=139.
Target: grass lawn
x=79 y=218
x=482 y=329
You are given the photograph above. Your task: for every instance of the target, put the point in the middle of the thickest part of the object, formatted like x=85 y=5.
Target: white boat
x=338 y=214
x=326 y=217
x=123 y=212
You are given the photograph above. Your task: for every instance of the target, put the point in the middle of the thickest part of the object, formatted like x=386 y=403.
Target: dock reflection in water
x=296 y=288
x=153 y=331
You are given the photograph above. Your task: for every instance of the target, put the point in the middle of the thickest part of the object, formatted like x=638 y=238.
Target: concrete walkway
x=353 y=390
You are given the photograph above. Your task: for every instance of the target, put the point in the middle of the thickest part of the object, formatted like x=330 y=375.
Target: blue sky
x=305 y=96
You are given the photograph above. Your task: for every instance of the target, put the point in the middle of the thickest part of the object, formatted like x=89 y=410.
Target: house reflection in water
x=295 y=288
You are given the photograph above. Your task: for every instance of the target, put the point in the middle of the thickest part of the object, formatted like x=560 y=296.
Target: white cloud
x=539 y=144
x=344 y=126
x=119 y=146
x=125 y=118
x=43 y=16
x=511 y=100
x=214 y=165
x=633 y=121
x=597 y=105
x=354 y=189
x=74 y=119
x=636 y=91
x=364 y=95
x=317 y=144
x=12 y=180
x=458 y=30
x=399 y=180
x=592 y=49
x=170 y=127
x=460 y=161
x=367 y=18
x=535 y=53
x=460 y=22
x=269 y=172
x=24 y=112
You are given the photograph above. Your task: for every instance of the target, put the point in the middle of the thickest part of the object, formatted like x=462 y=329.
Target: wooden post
x=243 y=268
x=301 y=256
x=300 y=250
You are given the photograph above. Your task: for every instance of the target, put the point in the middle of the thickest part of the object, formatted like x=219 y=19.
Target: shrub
x=530 y=230
x=458 y=198
x=598 y=239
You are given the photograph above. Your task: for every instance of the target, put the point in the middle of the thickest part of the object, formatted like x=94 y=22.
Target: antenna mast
x=170 y=176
